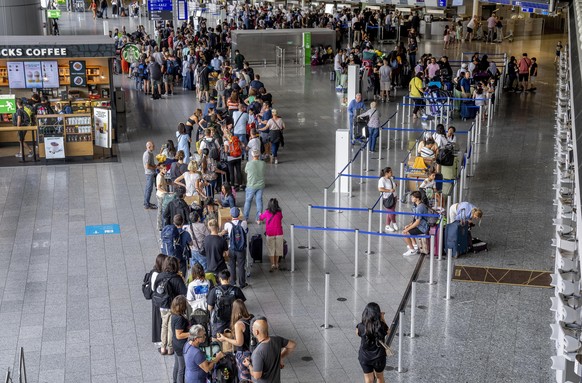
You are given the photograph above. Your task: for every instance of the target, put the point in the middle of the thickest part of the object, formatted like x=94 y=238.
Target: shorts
x=385 y=86
x=275 y=245
x=523 y=76
x=203 y=87
x=415 y=231
x=168 y=77
x=21 y=135
x=469 y=30
x=376 y=365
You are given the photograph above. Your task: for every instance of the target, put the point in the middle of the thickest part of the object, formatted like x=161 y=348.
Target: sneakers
x=415 y=246
x=389 y=228
x=410 y=252
x=19 y=155
x=395 y=227
x=276 y=161
x=29 y=155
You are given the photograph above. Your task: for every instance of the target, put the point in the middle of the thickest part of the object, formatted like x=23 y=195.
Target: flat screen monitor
x=50 y=74
x=33 y=73
x=16 y=77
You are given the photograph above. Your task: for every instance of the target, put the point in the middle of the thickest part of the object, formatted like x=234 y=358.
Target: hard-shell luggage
x=457 y=238
x=256 y=248
x=468 y=110
x=99 y=14
x=478 y=245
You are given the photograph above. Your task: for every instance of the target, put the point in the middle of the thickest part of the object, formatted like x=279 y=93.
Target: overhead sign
x=102 y=229
x=53 y=13
x=78 y=73
x=160 y=9
x=182 y=10
x=7 y=103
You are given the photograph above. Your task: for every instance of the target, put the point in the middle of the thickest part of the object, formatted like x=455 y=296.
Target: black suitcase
x=256 y=248
x=99 y=14
x=478 y=245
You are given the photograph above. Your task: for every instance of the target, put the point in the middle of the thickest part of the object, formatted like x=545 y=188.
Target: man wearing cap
x=255 y=171
x=237 y=258
x=463 y=69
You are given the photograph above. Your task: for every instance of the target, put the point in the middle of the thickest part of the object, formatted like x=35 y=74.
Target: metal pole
x=489 y=112
x=401 y=186
x=325 y=210
x=356 y=255
x=461 y=186
x=412 y=308
x=350 y=180
x=380 y=220
x=309 y=224
x=403 y=109
x=464 y=174
x=369 y=251
x=400 y=335
x=326 y=303
x=379 y=149
x=362 y=180
x=431 y=262
x=292 y=248
x=339 y=190
x=455 y=191
x=441 y=235
x=449 y=272
x=367 y=156
x=388 y=141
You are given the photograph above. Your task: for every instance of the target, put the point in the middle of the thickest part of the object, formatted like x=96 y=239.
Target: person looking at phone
x=197 y=367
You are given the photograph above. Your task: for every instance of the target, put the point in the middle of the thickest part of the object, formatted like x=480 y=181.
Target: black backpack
x=225 y=370
x=146 y=286
x=446 y=156
x=224 y=301
x=161 y=295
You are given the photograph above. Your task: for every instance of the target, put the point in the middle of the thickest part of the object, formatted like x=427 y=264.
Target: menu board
x=50 y=74
x=54 y=148
x=33 y=72
x=102 y=121
x=78 y=73
x=16 y=75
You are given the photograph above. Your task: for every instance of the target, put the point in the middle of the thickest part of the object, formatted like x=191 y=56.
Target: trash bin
x=119 y=100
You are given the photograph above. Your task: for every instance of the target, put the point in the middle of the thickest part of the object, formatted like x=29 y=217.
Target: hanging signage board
x=160 y=9
x=102 y=121
x=53 y=13
x=182 y=10
x=78 y=73
x=307 y=47
x=130 y=53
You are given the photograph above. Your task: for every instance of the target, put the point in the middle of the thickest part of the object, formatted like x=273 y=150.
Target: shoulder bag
x=390 y=201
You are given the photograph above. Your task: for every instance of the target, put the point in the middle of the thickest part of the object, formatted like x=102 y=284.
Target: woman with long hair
x=178 y=168
x=273 y=218
x=210 y=172
x=199 y=288
x=240 y=320
x=173 y=282
x=156 y=317
x=373 y=331
x=192 y=180
x=387 y=186
x=180 y=326
x=183 y=140
x=226 y=196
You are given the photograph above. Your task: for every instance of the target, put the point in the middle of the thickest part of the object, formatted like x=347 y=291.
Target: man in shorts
x=419 y=225
x=385 y=79
x=471 y=26
x=523 y=71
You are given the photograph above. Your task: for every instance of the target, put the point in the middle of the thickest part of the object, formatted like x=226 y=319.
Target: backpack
x=235 y=149
x=161 y=296
x=237 y=237
x=26 y=121
x=213 y=151
x=42 y=110
x=141 y=70
x=172 y=67
x=225 y=370
x=170 y=237
x=224 y=302
x=446 y=156
x=146 y=286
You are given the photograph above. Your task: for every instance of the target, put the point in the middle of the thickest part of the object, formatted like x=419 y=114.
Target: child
x=198 y=287
x=533 y=73
x=430 y=188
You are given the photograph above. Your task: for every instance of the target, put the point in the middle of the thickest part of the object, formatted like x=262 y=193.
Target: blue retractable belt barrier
x=317 y=228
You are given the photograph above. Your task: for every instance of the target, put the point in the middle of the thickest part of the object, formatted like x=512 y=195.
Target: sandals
x=273 y=268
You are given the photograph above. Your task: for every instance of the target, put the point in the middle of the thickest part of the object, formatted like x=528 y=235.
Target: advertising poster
x=50 y=74
x=54 y=147
x=78 y=73
x=33 y=74
x=16 y=75
x=102 y=121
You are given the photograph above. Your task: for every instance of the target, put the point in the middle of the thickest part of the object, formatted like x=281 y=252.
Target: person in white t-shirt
x=198 y=289
x=440 y=136
x=387 y=186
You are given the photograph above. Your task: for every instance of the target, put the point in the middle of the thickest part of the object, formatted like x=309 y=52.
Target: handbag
x=389 y=202
x=389 y=351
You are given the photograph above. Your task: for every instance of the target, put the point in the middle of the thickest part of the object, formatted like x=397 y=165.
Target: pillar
x=20 y=18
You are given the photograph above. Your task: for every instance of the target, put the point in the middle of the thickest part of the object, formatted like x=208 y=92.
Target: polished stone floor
x=74 y=301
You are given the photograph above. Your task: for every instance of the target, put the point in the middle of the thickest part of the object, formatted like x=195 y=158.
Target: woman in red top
x=274 y=232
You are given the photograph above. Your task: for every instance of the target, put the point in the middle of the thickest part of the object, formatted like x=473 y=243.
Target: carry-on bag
x=256 y=248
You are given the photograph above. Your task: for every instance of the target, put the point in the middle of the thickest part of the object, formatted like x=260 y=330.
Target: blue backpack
x=170 y=236
x=172 y=67
x=238 y=240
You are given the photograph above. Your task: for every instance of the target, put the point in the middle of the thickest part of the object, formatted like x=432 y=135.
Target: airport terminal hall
x=290 y=191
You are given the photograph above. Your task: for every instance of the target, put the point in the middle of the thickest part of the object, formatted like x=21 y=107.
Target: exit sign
x=53 y=13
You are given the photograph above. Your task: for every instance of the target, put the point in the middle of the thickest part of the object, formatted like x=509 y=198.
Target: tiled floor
x=74 y=301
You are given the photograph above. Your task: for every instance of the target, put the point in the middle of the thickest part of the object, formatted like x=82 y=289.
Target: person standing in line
x=387 y=186
x=237 y=233
x=372 y=355
x=373 y=125
x=523 y=66
x=533 y=74
x=274 y=232
x=267 y=359
x=353 y=107
x=161 y=191
x=22 y=118
x=559 y=47
x=197 y=367
x=150 y=173
x=156 y=316
x=104 y=9
x=216 y=248
x=255 y=171
x=179 y=325
x=416 y=89
x=385 y=78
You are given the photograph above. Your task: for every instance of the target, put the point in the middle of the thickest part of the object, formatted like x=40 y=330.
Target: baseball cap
x=234 y=212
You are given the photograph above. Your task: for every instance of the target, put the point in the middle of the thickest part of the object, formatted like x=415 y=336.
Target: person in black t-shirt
x=372 y=355
x=221 y=317
x=216 y=248
x=180 y=327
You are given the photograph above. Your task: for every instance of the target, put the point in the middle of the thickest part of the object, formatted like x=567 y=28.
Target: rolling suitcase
x=256 y=248
x=478 y=245
x=332 y=76
x=468 y=110
x=457 y=238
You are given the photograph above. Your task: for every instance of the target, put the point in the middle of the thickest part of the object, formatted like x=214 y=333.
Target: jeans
x=149 y=187
x=338 y=77
x=391 y=218
x=179 y=368
x=274 y=149
x=209 y=189
x=373 y=136
x=235 y=172
x=412 y=60
x=236 y=264
x=199 y=258
x=257 y=194
x=104 y=12
x=160 y=220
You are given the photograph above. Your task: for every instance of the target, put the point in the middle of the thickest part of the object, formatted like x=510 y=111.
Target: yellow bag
x=419 y=163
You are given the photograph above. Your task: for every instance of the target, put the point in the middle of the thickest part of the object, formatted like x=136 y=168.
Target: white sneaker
x=388 y=228
x=415 y=246
x=395 y=227
x=410 y=252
